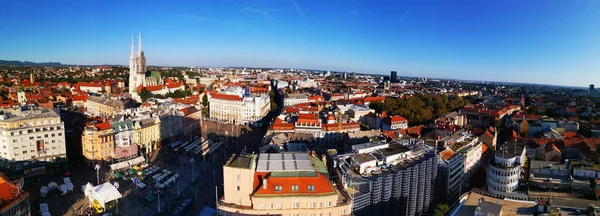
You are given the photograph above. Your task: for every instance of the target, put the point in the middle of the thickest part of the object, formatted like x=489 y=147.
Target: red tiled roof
x=173 y=85
x=89 y=84
x=345 y=126
x=154 y=88
x=103 y=126
x=226 y=97
x=570 y=134
x=291 y=110
x=80 y=97
x=280 y=125
x=447 y=154
x=321 y=185
x=398 y=118
x=308 y=116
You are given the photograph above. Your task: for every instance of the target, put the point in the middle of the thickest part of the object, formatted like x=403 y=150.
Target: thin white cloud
x=298 y=9
x=199 y=18
x=261 y=12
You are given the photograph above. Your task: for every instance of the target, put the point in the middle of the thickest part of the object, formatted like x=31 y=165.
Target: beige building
x=294 y=184
x=35 y=134
x=103 y=107
x=146 y=134
x=97 y=142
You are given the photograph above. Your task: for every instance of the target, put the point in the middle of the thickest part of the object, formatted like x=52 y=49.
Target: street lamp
x=192 y=161
x=97 y=167
x=117 y=186
x=158 y=194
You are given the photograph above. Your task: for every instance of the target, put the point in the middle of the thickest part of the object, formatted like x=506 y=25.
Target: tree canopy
x=419 y=108
x=441 y=209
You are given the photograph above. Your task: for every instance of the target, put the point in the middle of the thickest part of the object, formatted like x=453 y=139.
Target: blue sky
x=537 y=41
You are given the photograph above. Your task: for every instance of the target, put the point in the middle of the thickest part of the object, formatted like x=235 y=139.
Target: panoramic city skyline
x=533 y=42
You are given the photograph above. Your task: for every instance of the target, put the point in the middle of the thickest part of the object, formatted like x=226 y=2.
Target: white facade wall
x=20 y=144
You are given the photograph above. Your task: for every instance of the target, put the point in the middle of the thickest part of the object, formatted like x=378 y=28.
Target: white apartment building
x=505 y=171
x=238 y=106
x=30 y=138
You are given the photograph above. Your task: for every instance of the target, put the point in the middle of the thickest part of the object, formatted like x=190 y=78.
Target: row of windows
x=296 y=205
x=505 y=173
x=504 y=181
x=33 y=130
x=502 y=189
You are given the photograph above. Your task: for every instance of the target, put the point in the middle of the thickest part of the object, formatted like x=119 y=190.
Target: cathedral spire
x=132 y=46
x=140 y=42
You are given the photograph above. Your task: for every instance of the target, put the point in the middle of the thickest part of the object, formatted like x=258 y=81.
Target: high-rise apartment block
x=390 y=179
x=394 y=77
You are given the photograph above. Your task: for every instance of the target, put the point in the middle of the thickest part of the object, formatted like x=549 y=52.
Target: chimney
x=264 y=183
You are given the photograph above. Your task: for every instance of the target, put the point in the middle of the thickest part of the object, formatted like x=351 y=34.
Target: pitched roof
x=226 y=97
x=103 y=126
x=398 y=118
x=320 y=182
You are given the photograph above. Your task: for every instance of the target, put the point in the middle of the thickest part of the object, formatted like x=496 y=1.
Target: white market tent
x=102 y=193
x=69 y=184
x=52 y=185
x=63 y=189
x=126 y=164
x=44 y=207
x=44 y=191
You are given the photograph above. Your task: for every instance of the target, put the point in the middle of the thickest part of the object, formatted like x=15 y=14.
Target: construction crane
x=340 y=118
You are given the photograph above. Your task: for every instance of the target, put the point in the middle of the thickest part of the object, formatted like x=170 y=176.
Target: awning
x=105 y=193
x=44 y=207
x=126 y=164
x=117 y=175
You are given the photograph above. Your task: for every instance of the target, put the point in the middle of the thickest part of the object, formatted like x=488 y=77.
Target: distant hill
x=28 y=63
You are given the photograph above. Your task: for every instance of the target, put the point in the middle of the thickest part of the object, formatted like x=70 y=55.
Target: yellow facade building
x=146 y=134
x=97 y=142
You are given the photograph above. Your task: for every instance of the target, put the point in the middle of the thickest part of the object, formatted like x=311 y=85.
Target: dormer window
x=311 y=188
x=278 y=188
x=294 y=187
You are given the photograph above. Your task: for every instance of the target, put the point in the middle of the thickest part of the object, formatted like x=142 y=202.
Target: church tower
x=137 y=69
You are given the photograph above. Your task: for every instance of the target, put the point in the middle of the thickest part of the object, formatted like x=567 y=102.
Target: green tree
x=205 y=100
x=441 y=209
x=145 y=94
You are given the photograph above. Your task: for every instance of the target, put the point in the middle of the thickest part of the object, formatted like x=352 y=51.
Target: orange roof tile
x=103 y=126
x=398 y=118
x=447 y=154
x=321 y=185
x=226 y=97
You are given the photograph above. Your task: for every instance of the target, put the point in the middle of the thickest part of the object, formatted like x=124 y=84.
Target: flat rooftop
x=509 y=149
x=508 y=207
x=364 y=157
x=394 y=149
x=240 y=161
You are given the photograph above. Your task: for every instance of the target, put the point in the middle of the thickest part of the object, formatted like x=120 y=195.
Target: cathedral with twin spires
x=140 y=77
x=137 y=69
